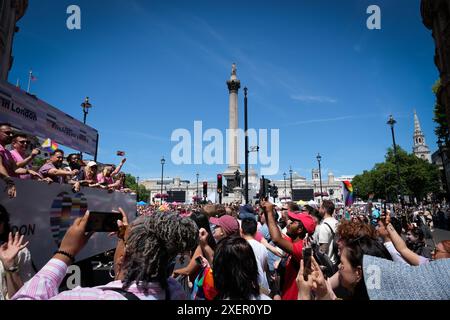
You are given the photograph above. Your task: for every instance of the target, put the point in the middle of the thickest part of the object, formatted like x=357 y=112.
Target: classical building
x=439 y=159
x=310 y=189
x=436 y=17
x=420 y=148
x=184 y=190
x=11 y=11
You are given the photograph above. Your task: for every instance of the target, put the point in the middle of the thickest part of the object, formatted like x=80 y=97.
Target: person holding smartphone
x=142 y=261
x=298 y=225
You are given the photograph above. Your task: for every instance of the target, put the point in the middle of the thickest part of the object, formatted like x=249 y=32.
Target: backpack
x=333 y=243
x=328 y=267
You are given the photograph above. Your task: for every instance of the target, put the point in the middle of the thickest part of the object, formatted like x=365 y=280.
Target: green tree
x=440 y=116
x=130 y=182
x=418 y=178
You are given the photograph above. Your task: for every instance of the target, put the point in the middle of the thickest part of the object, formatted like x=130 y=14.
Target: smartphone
x=103 y=221
x=307 y=252
x=199 y=261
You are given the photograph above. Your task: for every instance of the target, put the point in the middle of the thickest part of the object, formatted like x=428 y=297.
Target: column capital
x=233 y=85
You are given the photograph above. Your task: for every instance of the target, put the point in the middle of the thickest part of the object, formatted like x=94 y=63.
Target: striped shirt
x=44 y=286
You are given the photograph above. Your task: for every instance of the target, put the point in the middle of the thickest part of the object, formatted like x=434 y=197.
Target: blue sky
x=313 y=70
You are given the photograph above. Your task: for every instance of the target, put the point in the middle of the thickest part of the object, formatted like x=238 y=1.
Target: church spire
x=417 y=128
x=420 y=148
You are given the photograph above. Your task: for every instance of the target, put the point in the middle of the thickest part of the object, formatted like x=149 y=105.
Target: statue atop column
x=233 y=70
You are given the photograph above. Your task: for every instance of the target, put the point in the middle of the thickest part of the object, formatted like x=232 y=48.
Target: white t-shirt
x=396 y=256
x=325 y=236
x=261 y=260
x=26 y=272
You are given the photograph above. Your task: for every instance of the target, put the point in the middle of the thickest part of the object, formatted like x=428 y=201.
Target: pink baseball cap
x=228 y=224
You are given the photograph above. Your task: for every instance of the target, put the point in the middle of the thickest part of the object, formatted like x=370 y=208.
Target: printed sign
x=43 y=213
x=35 y=117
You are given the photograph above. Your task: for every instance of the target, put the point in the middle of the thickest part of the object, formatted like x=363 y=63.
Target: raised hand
x=10 y=250
x=76 y=238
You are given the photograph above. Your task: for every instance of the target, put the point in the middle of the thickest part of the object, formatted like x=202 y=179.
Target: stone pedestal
x=238 y=194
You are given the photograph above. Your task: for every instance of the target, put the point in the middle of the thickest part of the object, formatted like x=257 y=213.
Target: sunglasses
x=8 y=133
x=24 y=142
x=436 y=250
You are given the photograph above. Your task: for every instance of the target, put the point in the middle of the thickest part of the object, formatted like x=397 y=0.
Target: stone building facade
x=11 y=11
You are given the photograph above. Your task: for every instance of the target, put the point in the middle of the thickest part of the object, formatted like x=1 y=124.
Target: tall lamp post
x=246 y=144
x=163 y=161
x=285 y=192
x=137 y=189
x=196 y=199
x=445 y=169
x=319 y=159
x=86 y=106
x=392 y=123
x=292 y=189
x=187 y=192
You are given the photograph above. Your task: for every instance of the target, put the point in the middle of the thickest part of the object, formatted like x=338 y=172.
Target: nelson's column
x=231 y=173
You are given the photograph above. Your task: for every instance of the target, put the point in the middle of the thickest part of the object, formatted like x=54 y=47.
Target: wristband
x=68 y=255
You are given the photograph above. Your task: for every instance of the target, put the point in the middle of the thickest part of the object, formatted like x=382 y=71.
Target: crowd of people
x=248 y=252
x=17 y=157
x=288 y=251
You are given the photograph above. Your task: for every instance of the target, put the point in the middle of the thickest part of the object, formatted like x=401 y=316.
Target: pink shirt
x=18 y=158
x=7 y=161
x=102 y=179
x=44 y=286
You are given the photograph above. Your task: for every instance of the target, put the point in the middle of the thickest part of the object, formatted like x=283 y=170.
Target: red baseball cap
x=308 y=221
x=228 y=224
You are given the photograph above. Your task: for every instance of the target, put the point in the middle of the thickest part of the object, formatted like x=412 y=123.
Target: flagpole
x=29 y=80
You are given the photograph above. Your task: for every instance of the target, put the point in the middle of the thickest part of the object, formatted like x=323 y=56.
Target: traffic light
x=274 y=192
x=205 y=189
x=219 y=183
x=267 y=186
x=264 y=187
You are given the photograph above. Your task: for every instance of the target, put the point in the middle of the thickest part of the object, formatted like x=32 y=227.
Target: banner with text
x=35 y=117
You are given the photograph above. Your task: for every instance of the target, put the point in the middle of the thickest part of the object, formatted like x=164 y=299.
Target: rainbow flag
x=50 y=145
x=348 y=193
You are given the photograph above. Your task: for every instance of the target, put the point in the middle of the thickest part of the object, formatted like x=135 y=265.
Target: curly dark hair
x=235 y=270
x=154 y=241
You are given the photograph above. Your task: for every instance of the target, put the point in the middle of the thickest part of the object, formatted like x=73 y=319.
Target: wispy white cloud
x=318 y=99
x=333 y=119
x=143 y=135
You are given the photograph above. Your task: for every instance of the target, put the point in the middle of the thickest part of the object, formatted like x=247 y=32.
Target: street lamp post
x=445 y=169
x=292 y=189
x=391 y=123
x=187 y=192
x=163 y=161
x=86 y=106
x=285 y=192
x=137 y=189
x=196 y=199
x=246 y=144
x=319 y=159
